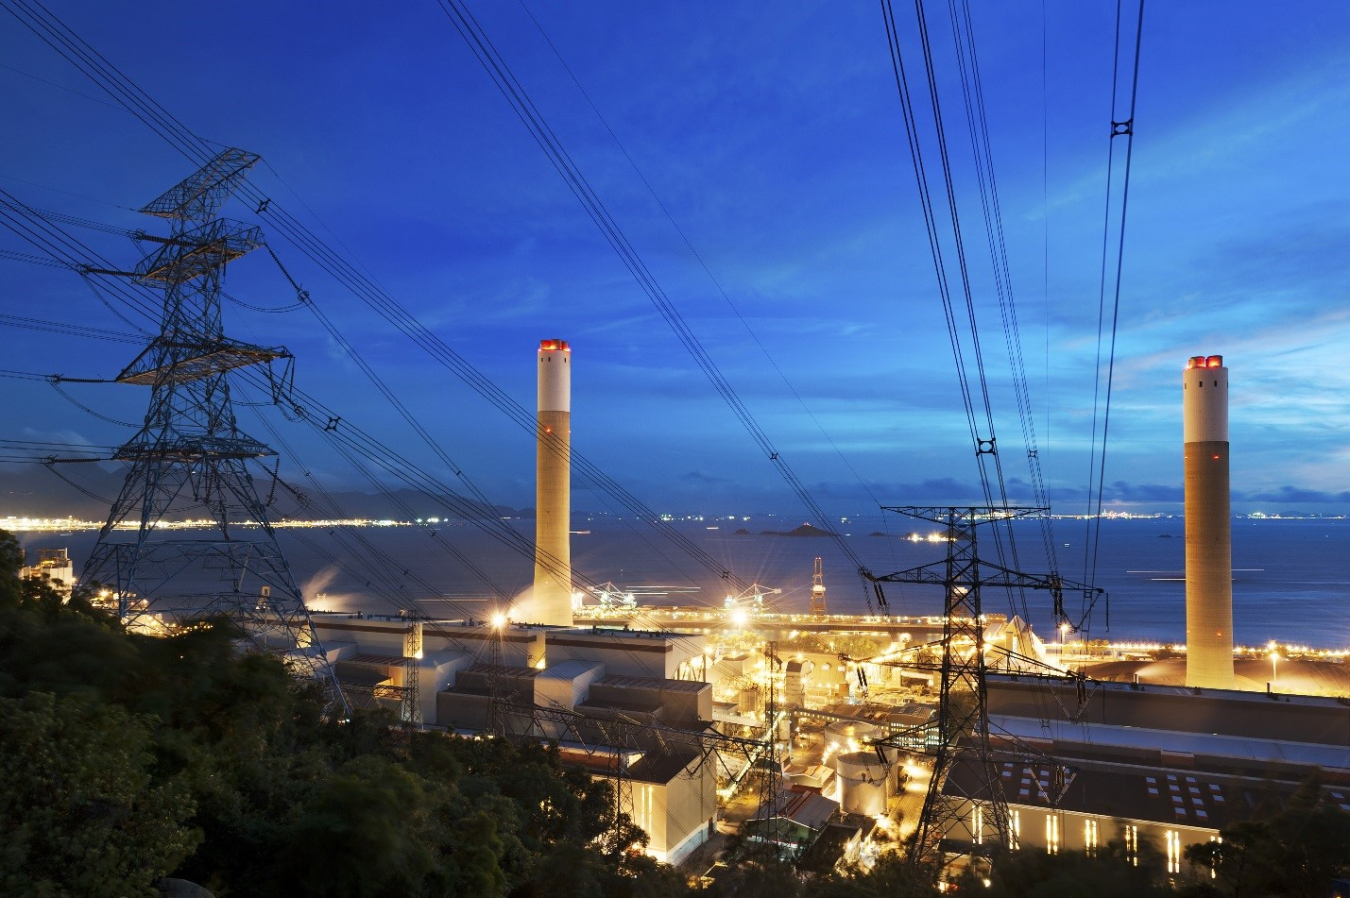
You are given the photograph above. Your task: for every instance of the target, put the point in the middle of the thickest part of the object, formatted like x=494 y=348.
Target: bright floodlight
x=498 y=620
x=740 y=617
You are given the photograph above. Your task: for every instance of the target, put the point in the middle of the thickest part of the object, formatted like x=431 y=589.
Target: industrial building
x=54 y=568
x=1132 y=763
x=466 y=668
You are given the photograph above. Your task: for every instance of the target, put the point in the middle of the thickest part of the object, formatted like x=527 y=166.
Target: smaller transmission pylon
x=770 y=784
x=411 y=711
x=965 y=810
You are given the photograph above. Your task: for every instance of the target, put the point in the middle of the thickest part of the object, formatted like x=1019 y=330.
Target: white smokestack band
x=1205 y=401
x=555 y=376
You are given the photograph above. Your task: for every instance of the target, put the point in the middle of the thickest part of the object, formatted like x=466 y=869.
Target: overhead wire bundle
x=1112 y=272
x=384 y=576
x=104 y=74
x=495 y=65
x=959 y=310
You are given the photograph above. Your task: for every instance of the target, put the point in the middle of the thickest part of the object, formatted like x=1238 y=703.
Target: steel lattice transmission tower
x=188 y=460
x=968 y=812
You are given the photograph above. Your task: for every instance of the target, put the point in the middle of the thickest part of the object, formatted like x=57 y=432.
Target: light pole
x=1063 y=629
x=1274 y=661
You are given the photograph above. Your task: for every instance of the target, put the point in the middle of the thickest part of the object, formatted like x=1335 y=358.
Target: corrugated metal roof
x=810 y=809
x=387 y=660
x=690 y=686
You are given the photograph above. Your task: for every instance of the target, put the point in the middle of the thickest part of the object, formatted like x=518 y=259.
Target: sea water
x=1291 y=580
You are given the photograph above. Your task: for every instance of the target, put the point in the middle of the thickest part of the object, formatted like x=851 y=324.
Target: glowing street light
x=1274 y=661
x=498 y=620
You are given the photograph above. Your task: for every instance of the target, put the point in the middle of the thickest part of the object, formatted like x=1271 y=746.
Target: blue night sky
x=773 y=135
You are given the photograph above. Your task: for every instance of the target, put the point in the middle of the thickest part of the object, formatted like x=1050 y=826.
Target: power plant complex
x=816 y=733
x=821 y=734
x=844 y=740
x=737 y=723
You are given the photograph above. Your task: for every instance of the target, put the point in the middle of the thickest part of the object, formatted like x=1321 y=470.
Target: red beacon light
x=1214 y=361
x=554 y=345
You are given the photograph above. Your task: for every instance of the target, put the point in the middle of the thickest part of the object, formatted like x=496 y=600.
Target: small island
x=803 y=530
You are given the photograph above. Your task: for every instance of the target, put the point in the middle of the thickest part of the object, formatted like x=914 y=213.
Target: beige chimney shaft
x=553 y=487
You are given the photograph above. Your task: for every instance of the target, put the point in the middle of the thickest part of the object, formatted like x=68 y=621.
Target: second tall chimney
x=553 y=487
x=1209 y=553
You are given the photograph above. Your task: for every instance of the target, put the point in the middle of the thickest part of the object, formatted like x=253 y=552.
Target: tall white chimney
x=1209 y=553
x=553 y=487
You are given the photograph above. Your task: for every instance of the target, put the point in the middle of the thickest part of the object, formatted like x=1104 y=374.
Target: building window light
x=1090 y=837
x=977 y=824
x=1016 y=830
x=1052 y=834
x=1132 y=843
x=1173 y=851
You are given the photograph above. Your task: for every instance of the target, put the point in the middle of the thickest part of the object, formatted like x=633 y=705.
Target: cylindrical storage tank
x=859 y=730
x=863 y=783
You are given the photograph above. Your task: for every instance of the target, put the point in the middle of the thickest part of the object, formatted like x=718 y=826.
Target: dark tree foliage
x=125 y=758
x=753 y=869
x=892 y=877
x=1109 y=873
x=80 y=813
x=1294 y=851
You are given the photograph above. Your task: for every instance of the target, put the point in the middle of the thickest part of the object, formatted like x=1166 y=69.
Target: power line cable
x=67 y=329
x=964 y=327
x=109 y=78
x=492 y=62
x=66 y=43
x=698 y=257
x=1123 y=127
x=978 y=124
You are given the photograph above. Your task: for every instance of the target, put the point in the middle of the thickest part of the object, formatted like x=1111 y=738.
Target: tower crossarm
x=198 y=252
x=182 y=360
x=983 y=574
x=188 y=449
x=987 y=574
x=969 y=516
x=200 y=195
